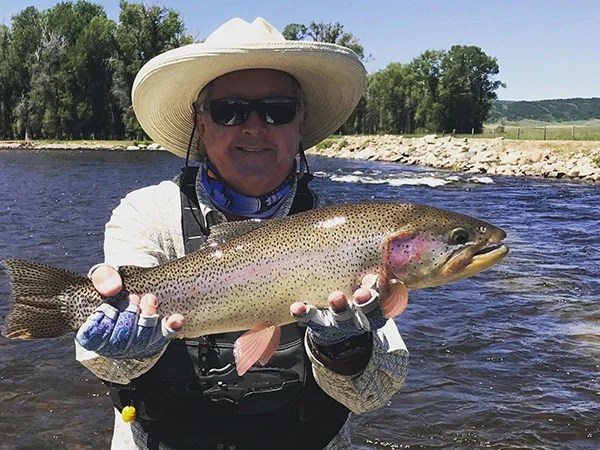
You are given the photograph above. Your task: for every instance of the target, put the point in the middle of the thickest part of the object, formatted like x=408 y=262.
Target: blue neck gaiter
x=226 y=199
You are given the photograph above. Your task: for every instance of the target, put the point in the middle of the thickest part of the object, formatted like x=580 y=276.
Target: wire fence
x=542 y=133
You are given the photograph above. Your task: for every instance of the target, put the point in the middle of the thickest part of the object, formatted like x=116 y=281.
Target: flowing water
x=508 y=359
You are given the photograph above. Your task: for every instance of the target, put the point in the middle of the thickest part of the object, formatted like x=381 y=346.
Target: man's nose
x=254 y=125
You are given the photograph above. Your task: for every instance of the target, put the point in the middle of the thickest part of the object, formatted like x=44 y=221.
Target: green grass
x=532 y=130
x=529 y=130
x=334 y=139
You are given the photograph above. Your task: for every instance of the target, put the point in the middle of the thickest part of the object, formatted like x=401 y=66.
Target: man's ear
x=200 y=124
x=302 y=122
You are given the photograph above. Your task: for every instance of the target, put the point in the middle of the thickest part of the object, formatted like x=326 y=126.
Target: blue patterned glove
x=327 y=327
x=124 y=334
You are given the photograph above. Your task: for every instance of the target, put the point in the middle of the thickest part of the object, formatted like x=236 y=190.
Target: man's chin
x=255 y=181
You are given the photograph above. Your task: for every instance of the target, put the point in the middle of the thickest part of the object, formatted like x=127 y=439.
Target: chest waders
x=194 y=399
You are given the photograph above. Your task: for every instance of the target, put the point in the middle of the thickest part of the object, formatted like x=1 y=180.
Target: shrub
x=325 y=144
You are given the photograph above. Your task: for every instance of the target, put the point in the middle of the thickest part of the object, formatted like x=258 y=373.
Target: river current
x=508 y=359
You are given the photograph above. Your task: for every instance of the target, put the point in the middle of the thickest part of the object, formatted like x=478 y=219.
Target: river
x=508 y=359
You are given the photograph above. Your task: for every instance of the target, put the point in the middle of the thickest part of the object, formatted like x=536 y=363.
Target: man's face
x=254 y=157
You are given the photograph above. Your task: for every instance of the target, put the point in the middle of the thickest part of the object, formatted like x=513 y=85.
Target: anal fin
x=257 y=344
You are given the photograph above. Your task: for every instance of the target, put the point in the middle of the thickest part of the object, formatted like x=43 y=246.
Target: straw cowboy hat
x=331 y=76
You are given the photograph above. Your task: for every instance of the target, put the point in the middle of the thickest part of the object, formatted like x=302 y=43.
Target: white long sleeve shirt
x=145 y=230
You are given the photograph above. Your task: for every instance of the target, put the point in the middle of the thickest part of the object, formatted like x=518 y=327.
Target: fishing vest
x=193 y=397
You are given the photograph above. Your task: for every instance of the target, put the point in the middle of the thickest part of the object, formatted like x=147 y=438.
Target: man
x=243 y=103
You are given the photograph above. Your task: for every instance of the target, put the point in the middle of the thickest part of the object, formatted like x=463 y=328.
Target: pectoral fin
x=393 y=294
x=257 y=344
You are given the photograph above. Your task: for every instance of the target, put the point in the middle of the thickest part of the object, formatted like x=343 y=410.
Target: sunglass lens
x=235 y=111
x=278 y=111
x=229 y=112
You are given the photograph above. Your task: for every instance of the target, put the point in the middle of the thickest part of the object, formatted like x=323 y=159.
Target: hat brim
x=332 y=78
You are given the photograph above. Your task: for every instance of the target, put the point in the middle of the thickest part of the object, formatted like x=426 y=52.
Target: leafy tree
x=392 y=100
x=99 y=41
x=74 y=79
x=332 y=33
x=25 y=37
x=142 y=33
x=7 y=83
x=467 y=90
x=46 y=83
x=427 y=72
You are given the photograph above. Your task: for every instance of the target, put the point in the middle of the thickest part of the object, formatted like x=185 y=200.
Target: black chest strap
x=193 y=398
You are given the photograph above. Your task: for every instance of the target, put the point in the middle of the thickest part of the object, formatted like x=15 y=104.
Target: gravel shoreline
x=577 y=160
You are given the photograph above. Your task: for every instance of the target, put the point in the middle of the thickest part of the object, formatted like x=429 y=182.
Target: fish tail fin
x=39 y=300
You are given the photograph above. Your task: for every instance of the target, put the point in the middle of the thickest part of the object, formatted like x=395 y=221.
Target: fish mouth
x=470 y=260
x=489 y=256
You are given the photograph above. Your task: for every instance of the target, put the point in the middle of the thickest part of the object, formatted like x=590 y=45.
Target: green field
x=534 y=130
x=524 y=130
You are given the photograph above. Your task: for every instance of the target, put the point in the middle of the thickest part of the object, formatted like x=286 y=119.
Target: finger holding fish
x=106 y=279
x=343 y=319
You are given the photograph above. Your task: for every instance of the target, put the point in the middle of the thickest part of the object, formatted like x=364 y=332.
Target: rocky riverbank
x=550 y=159
x=579 y=160
x=75 y=145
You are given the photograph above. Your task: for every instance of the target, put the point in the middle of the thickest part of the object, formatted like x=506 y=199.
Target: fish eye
x=459 y=236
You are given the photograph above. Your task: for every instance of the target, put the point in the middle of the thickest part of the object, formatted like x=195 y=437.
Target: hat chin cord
x=304 y=172
x=187 y=154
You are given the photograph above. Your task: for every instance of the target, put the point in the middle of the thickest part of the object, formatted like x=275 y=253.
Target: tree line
x=67 y=73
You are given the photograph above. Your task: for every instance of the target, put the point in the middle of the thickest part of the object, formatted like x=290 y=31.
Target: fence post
x=453 y=132
x=472 y=131
x=573 y=133
x=519 y=133
x=494 y=134
x=544 y=132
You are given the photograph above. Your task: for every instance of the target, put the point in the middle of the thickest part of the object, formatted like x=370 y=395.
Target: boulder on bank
x=550 y=159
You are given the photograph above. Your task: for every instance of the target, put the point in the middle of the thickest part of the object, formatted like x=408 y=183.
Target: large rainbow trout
x=250 y=273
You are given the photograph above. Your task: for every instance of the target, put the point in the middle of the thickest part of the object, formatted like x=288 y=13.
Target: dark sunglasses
x=235 y=111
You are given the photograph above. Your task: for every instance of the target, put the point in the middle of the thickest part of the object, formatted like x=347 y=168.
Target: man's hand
x=343 y=319
x=130 y=332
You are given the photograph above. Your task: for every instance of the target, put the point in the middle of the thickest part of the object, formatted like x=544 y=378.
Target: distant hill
x=563 y=110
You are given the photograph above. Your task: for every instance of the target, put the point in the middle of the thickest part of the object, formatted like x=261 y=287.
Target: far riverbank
x=579 y=160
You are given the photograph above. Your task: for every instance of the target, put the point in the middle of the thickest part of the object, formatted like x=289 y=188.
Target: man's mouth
x=252 y=149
